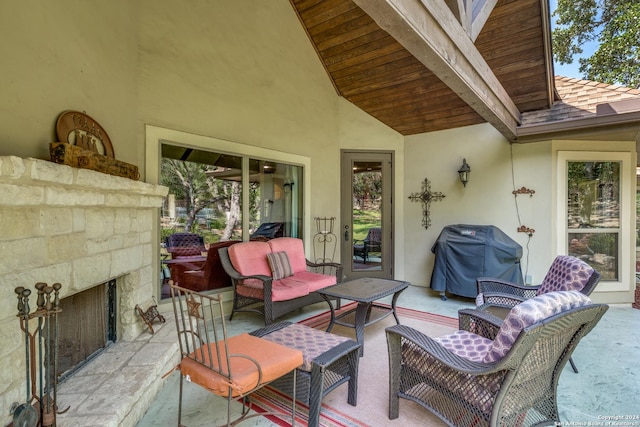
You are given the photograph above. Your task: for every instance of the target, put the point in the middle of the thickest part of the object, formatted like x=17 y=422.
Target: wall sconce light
x=463 y=172
x=288 y=186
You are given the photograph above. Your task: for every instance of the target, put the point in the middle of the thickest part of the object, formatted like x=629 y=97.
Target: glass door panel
x=366 y=243
x=366 y=230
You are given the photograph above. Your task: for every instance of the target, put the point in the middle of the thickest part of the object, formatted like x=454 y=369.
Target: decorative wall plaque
x=426 y=197
x=83 y=143
x=76 y=128
x=524 y=190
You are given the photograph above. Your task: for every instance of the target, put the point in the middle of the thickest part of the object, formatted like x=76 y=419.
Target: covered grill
x=466 y=252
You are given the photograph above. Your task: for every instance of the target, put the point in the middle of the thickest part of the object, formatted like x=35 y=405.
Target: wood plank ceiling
x=375 y=72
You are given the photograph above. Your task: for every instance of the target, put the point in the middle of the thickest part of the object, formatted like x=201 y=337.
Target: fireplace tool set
x=41 y=348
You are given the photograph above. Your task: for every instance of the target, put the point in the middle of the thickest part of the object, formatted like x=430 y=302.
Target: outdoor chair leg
x=180 y=403
x=573 y=365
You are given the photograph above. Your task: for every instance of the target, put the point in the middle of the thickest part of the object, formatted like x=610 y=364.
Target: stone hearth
x=77 y=227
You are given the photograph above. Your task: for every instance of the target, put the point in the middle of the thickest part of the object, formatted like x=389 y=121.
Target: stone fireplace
x=77 y=227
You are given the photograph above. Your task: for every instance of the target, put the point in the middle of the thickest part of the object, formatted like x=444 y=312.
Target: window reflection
x=204 y=206
x=593 y=215
x=600 y=250
x=277 y=206
x=367 y=216
x=204 y=194
x=594 y=195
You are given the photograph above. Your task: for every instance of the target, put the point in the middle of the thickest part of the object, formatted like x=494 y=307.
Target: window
x=595 y=192
x=221 y=190
x=205 y=195
x=593 y=214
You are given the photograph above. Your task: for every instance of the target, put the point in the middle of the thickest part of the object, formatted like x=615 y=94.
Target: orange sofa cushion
x=250 y=258
x=274 y=359
x=288 y=288
x=294 y=249
x=315 y=281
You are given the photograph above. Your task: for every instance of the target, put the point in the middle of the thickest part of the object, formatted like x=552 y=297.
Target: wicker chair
x=232 y=367
x=185 y=245
x=566 y=273
x=490 y=375
x=371 y=243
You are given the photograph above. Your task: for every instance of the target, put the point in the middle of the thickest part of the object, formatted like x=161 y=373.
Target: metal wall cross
x=426 y=197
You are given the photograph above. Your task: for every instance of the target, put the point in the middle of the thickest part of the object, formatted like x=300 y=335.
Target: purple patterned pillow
x=567 y=273
x=280 y=265
x=466 y=344
x=529 y=312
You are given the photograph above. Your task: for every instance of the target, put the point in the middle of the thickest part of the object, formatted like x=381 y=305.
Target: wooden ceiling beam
x=431 y=32
x=479 y=16
x=459 y=9
x=471 y=14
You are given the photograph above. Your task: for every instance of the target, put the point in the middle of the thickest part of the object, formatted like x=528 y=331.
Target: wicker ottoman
x=329 y=361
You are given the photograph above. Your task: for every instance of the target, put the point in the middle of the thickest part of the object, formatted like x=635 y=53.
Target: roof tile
x=578 y=99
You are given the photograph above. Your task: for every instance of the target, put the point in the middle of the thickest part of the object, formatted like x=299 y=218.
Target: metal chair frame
x=200 y=323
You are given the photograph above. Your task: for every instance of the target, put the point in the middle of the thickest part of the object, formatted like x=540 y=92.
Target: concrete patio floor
x=608 y=384
x=124 y=385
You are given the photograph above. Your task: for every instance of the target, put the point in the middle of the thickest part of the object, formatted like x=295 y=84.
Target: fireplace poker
x=56 y=308
x=40 y=303
x=25 y=414
x=45 y=370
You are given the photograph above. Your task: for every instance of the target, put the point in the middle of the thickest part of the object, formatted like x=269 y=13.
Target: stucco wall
x=487 y=199
x=67 y=55
x=240 y=71
x=245 y=71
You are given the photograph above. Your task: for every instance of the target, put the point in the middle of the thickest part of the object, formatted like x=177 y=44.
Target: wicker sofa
x=274 y=277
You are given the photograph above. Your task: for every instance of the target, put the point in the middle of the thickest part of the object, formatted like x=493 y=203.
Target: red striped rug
x=372 y=407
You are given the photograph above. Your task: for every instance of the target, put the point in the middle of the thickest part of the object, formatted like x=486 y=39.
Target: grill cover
x=466 y=252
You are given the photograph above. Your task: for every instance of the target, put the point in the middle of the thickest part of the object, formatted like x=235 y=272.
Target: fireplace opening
x=86 y=327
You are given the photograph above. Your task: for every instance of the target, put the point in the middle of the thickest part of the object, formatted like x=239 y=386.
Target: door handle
x=346 y=233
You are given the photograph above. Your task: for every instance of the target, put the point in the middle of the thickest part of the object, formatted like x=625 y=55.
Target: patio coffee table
x=365 y=292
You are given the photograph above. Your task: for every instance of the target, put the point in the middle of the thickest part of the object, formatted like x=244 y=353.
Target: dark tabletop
x=366 y=289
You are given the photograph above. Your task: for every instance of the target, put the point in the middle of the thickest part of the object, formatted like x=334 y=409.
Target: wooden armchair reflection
x=202 y=277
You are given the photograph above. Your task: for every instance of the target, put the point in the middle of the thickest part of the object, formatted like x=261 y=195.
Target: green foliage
x=605 y=243
x=367 y=189
x=614 y=24
x=196 y=190
x=363 y=220
x=165 y=232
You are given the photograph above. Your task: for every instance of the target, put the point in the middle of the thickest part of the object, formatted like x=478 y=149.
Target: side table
x=365 y=291
x=329 y=361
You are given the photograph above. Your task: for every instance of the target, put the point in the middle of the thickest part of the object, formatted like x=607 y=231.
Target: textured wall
x=76 y=227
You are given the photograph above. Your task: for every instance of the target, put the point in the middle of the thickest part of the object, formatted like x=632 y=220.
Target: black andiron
x=41 y=349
